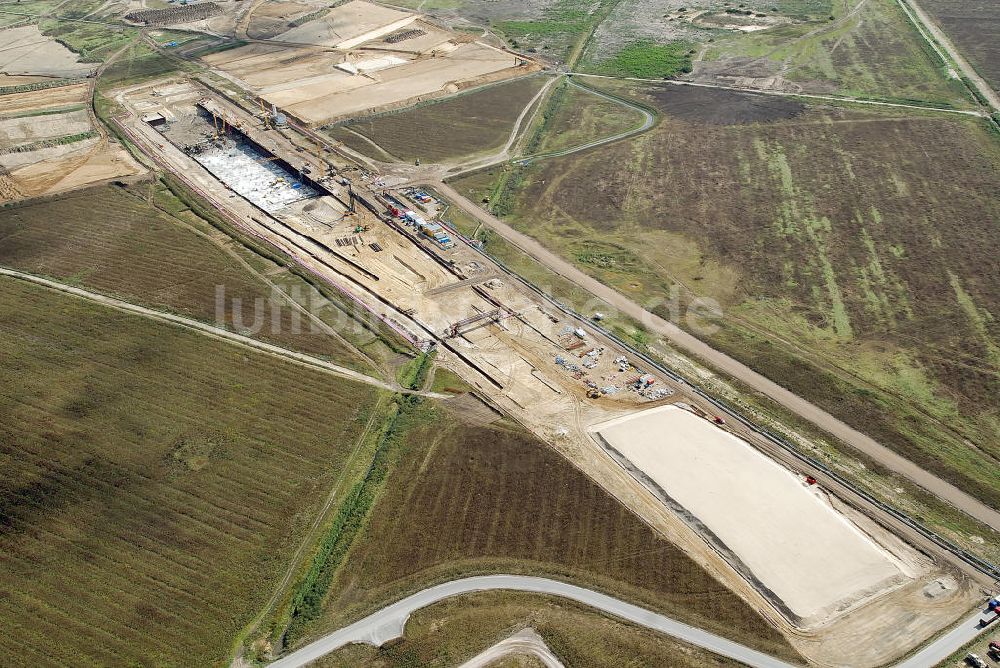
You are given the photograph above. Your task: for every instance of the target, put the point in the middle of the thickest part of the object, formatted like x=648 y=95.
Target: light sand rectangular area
x=308 y=84
x=778 y=531
x=350 y=24
x=25 y=50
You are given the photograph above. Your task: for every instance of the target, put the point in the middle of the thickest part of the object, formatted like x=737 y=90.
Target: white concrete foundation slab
x=781 y=533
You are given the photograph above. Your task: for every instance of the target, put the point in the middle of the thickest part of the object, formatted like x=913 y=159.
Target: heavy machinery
x=465 y=325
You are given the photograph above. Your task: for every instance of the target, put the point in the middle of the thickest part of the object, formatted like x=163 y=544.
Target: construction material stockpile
x=404 y=35
x=174 y=15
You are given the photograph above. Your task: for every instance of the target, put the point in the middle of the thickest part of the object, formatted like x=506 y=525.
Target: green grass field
x=445 y=634
x=851 y=268
x=138 y=63
x=157 y=482
x=461 y=499
x=646 y=59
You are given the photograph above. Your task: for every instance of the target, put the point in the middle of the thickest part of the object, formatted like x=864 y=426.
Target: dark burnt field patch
x=712 y=106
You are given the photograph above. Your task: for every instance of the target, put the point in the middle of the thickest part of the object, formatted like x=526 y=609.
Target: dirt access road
x=784 y=93
x=217 y=333
x=924 y=25
x=526 y=642
x=728 y=365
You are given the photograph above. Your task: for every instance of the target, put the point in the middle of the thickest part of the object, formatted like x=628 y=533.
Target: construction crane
x=265 y=117
x=462 y=326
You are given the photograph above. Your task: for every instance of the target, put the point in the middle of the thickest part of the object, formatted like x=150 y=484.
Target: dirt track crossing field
x=171 y=497
x=114 y=241
x=453 y=128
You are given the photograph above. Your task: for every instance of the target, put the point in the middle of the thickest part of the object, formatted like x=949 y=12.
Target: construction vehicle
x=994 y=650
x=976 y=661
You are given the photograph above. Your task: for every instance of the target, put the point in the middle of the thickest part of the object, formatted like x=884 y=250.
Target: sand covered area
x=349 y=25
x=781 y=533
x=309 y=85
x=25 y=50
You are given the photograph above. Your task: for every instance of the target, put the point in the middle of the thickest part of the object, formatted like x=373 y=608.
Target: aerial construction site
x=847 y=581
x=828 y=566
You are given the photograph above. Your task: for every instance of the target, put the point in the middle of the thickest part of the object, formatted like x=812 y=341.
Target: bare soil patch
x=724 y=107
x=15 y=103
x=26 y=51
x=813 y=562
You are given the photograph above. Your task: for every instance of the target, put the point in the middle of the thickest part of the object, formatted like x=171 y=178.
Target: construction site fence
x=985 y=567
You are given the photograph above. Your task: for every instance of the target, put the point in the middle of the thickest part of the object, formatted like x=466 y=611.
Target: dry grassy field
x=852 y=266
x=116 y=241
x=863 y=48
x=444 y=634
x=580 y=117
x=465 y=499
x=869 y=49
x=974 y=28
x=439 y=131
x=156 y=482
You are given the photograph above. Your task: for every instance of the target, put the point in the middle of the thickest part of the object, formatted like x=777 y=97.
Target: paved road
x=524 y=642
x=216 y=332
x=728 y=365
x=783 y=93
x=388 y=623
x=939 y=650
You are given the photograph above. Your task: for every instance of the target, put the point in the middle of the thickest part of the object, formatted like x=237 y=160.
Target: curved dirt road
x=389 y=622
x=791 y=401
x=648 y=120
x=923 y=23
x=217 y=333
